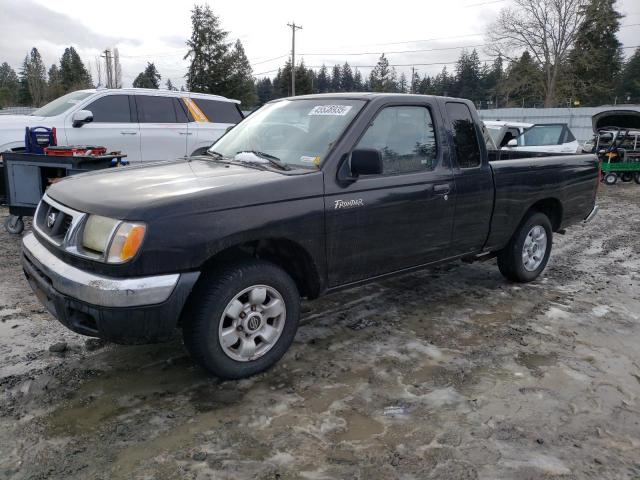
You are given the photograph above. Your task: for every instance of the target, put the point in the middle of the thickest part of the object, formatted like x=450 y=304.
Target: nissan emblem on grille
x=51 y=219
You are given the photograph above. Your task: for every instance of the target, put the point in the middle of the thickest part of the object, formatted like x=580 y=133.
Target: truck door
x=401 y=218
x=473 y=181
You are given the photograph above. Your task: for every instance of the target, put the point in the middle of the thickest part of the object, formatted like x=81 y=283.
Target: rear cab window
x=465 y=135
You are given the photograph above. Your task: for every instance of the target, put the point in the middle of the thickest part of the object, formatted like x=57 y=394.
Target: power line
x=398 y=51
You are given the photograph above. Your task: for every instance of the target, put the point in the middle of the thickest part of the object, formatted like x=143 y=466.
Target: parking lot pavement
x=451 y=373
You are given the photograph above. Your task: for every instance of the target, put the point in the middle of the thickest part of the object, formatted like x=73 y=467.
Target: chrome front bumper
x=97 y=289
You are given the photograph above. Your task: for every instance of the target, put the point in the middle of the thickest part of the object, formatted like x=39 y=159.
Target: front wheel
x=636 y=177
x=527 y=253
x=242 y=319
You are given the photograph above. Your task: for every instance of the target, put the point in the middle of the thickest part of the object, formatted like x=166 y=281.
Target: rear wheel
x=527 y=253
x=243 y=319
x=626 y=177
x=636 y=177
x=610 y=178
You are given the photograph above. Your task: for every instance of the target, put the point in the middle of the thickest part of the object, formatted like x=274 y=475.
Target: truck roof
x=163 y=92
x=365 y=96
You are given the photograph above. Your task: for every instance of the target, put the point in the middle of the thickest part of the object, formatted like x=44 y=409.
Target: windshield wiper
x=213 y=153
x=272 y=159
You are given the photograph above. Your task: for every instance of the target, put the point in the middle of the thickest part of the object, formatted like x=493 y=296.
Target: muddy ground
x=447 y=374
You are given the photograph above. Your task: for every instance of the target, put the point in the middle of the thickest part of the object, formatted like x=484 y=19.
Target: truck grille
x=54 y=221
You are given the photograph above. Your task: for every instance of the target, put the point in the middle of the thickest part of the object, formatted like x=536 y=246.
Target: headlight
x=112 y=240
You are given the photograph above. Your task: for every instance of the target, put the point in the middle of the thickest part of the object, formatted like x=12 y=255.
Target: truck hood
x=12 y=129
x=20 y=120
x=180 y=187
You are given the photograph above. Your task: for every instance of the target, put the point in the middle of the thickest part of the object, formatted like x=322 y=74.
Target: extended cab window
x=111 y=109
x=465 y=137
x=155 y=109
x=219 y=112
x=405 y=137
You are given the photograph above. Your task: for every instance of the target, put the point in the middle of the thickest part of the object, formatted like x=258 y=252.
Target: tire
x=512 y=260
x=636 y=177
x=626 y=177
x=610 y=178
x=219 y=297
x=14 y=224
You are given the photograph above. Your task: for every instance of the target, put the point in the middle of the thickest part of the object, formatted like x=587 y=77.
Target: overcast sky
x=156 y=31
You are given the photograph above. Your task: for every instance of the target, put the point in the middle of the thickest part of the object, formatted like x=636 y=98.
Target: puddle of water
x=113 y=393
x=359 y=427
x=533 y=361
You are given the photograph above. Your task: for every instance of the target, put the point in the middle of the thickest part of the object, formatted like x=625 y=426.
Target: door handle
x=185 y=133
x=128 y=133
x=442 y=189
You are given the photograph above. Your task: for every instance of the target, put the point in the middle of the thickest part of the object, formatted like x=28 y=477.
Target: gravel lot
x=451 y=373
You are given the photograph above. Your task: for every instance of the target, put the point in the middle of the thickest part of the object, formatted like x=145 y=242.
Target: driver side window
x=405 y=137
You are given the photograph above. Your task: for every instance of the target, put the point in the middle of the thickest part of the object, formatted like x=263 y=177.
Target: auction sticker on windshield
x=337 y=110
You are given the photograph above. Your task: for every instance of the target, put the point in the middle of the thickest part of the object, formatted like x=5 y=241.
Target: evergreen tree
x=382 y=78
x=347 y=82
x=336 y=79
x=241 y=84
x=169 y=85
x=424 y=87
x=149 y=78
x=323 y=80
x=630 y=81
x=9 y=86
x=208 y=52
x=493 y=79
x=264 y=90
x=595 y=63
x=467 y=84
x=524 y=83
x=358 y=85
x=33 y=81
x=414 y=83
x=73 y=73
x=443 y=84
x=403 y=84
x=304 y=80
x=55 y=88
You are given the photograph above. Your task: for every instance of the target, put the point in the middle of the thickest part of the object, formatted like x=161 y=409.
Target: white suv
x=145 y=124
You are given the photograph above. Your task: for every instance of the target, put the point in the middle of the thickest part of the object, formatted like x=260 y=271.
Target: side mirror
x=229 y=128
x=81 y=117
x=512 y=143
x=366 y=161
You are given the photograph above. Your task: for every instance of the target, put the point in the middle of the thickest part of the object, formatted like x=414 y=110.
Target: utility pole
x=294 y=27
x=108 y=70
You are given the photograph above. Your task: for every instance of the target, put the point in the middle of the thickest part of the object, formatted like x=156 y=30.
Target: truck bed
x=520 y=183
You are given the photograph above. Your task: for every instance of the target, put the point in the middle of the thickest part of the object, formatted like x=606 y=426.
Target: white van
x=145 y=124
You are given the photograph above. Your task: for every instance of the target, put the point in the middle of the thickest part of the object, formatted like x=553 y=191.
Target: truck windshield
x=299 y=133
x=61 y=104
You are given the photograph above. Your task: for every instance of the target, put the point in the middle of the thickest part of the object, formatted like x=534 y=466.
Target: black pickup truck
x=306 y=196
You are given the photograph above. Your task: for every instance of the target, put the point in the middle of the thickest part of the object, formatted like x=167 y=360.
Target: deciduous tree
x=547 y=29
